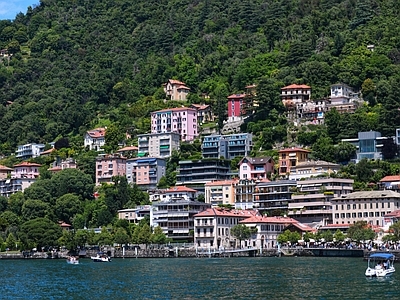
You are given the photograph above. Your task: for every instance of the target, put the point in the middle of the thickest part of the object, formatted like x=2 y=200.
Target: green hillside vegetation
x=80 y=64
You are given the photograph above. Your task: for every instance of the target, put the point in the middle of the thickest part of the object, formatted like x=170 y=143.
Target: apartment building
x=370 y=206
x=176 y=216
x=312 y=168
x=227 y=146
x=291 y=157
x=199 y=172
x=311 y=201
x=182 y=120
x=134 y=215
x=29 y=151
x=273 y=197
x=212 y=227
x=244 y=192
x=108 y=166
x=9 y=186
x=369 y=145
x=146 y=172
x=236 y=107
x=158 y=144
x=220 y=192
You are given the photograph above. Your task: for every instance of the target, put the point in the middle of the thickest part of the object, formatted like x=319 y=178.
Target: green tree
x=158 y=236
x=40 y=232
x=121 y=237
x=144 y=235
x=33 y=209
x=339 y=236
x=242 y=232
x=11 y=242
x=360 y=231
x=67 y=206
x=114 y=137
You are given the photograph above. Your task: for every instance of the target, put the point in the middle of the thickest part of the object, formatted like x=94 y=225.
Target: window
x=342 y=215
x=377 y=214
x=359 y=215
x=354 y=206
x=353 y=215
x=348 y=206
x=371 y=214
x=365 y=215
x=348 y=215
x=337 y=216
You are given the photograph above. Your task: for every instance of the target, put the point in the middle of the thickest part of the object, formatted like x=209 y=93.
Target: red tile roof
x=220 y=211
x=174 y=81
x=236 y=96
x=296 y=86
x=27 y=164
x=4 y=168
x=393 y=214
x=48 y=151
x=264 y=219
x=179 y=188
x=294 y=150
x=97 y=132
x=200 y=106
x=390 y=178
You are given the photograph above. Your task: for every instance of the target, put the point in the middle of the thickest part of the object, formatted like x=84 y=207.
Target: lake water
x=195 y=278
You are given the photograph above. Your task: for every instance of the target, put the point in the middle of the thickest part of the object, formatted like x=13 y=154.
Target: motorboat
x=72 y=260
x=380 y=265
x=101 y=257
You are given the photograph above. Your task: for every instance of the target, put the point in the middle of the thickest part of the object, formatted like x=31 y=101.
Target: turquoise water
x=204 y=278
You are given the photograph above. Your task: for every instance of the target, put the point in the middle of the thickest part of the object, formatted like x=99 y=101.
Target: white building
x=29 y=151
x=370 y=206
x=95 y=139
x=312 y=168
x=212 y=227
x=268 y=229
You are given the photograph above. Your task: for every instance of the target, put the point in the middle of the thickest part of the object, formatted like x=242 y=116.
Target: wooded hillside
x=78 y=64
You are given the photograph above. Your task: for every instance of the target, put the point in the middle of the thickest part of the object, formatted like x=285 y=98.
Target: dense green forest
x=79 y=64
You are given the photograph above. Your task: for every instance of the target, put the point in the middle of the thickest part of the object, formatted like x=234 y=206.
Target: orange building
x=290 y=157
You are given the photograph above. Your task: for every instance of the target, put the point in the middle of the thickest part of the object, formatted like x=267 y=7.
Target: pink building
x=255 y=167
x=26 y=170
x=109 y=166
x=236 y=107
x=182 y=120
x=68 y=163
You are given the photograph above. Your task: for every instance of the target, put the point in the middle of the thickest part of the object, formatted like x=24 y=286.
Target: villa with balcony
x=26 y=170
x=95 y=139
x=5 y=172
x=256 y=167
x=244 y=192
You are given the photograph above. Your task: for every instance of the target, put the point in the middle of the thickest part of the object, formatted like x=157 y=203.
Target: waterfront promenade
x=199 y=253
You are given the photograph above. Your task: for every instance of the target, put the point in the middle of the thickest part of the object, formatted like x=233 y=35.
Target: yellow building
x=220 y=192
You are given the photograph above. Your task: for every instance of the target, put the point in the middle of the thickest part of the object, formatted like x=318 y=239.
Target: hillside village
x=202 y=117
x=293 y=191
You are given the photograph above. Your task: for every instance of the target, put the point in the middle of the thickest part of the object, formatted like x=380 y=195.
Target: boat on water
x=380 y=265
x=101 y=257
x=72 y=260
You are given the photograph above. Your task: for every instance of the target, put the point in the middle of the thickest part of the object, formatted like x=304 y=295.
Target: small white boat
x=100 y=257
x=380 y=265
x=72 y=260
